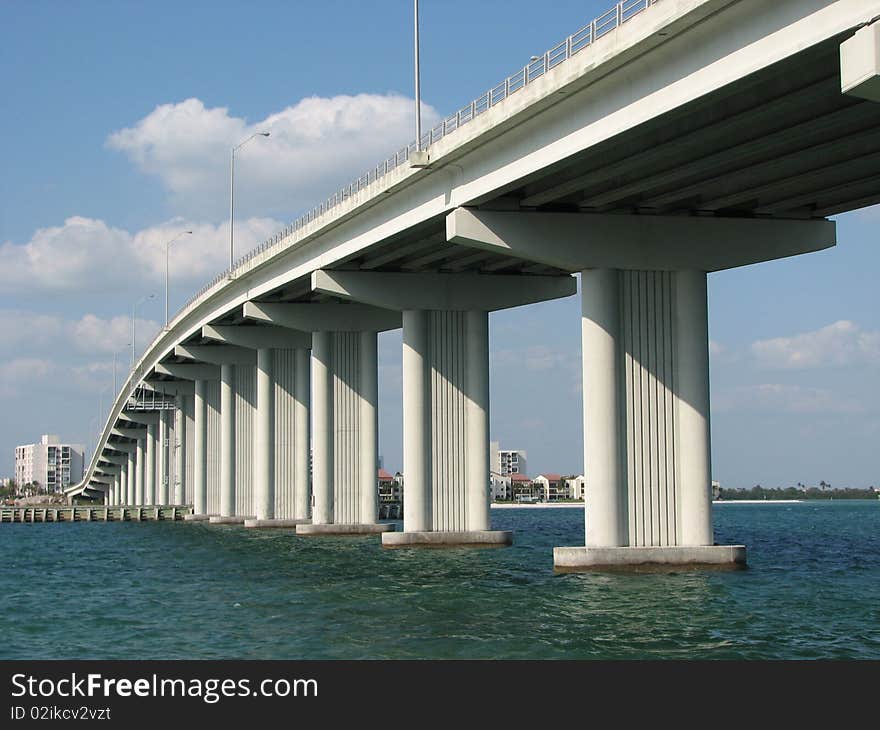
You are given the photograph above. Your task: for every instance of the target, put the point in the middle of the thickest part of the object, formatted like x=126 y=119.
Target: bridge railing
x=533 y=70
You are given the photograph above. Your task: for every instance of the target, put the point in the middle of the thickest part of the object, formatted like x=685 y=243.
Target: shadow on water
x=161 y=590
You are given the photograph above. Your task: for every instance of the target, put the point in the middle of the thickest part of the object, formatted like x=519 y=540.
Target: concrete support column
x=200 y=446
x=264 y=437
x=322 y=428
x=477 y=419
x=139 y=459
x=600 y=325
x=162 y=460
x=129 y=485
x=150 y=465
x=114 y=490
x=302 y=490
x=179 y=452
x=417 y=508
x=692 y=354
x=368 y=437
x=227 y=440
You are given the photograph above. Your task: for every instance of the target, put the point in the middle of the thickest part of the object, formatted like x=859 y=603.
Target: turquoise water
x=180 y=591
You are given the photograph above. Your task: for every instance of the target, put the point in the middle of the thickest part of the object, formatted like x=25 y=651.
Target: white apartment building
x=500 y=486
x=506 y=461
x=576 y=486
x=49 y=463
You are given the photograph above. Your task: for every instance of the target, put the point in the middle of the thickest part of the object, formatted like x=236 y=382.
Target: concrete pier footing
x=229 y=519
x=463 y=538
x=309 y=530
x=668 y=558
x=197 y=518
x=275 y=522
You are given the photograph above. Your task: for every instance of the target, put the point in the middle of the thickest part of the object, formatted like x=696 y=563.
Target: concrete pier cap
x=229 y=519
x=198 y=518
x=275 y=522
x=338 y=530
x=436 y=539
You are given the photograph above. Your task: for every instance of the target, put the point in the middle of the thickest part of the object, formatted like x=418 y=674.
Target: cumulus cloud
x=86 y=255
x=21 y=373
x=34 y=334
x=783 y=398
x=839 y=344
x=316 y=146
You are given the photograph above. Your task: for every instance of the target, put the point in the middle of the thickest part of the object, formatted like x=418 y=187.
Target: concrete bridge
x=664 y=140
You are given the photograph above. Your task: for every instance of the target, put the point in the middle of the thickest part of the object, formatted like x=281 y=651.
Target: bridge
x=664 y=140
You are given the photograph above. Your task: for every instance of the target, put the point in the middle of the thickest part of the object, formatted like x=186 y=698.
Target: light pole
x=232 y=195
x=168 y=246
x=134 y=324
x=418 y=91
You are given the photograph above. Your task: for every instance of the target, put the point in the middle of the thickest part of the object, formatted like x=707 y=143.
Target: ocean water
x=181 y=591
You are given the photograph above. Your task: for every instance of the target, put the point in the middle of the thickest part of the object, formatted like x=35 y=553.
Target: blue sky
x=116 y=127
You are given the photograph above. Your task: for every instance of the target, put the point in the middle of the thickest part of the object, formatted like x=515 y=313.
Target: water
x=175 y=591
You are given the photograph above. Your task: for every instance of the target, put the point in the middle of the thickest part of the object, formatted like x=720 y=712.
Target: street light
x=418 y=91
x=134 y=324
x=168 y=246
x=232 y=195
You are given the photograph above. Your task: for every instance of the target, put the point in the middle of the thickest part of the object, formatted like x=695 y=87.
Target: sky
x=116 y=124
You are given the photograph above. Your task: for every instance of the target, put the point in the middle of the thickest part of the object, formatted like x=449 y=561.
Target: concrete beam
x=170 y=387
x=578 y=241
x=131 y=433
x=860 y=64
x=217 y=354
x=451 y=292
x=325 y=317
x=124 y=448
x=113 y=458
x=188 y=371
x=139 y=417
x=255 y=337
x=108 y=469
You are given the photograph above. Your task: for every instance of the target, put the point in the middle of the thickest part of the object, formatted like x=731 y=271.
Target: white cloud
x=27 y=333
x=791 y=399
x=86 y=255
x=93 y=334
x=22 y=373
x=716 y=349
x=316 y=146
x=838 y=344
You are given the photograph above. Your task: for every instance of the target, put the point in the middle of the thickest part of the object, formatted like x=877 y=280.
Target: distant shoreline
x=537 y=505
x=766 y=501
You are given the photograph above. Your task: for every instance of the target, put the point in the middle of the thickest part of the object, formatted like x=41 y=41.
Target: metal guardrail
x=149 y=400
x=535 y=69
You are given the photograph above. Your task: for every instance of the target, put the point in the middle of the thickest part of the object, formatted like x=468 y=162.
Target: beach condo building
x=552 y=486
x=51 y=465
x=524 y=489
x=506 y=461
x=500 y=486
x=389 y=487
x=576 y=486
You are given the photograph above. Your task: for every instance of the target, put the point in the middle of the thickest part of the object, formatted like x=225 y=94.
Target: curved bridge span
x=662 y=141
